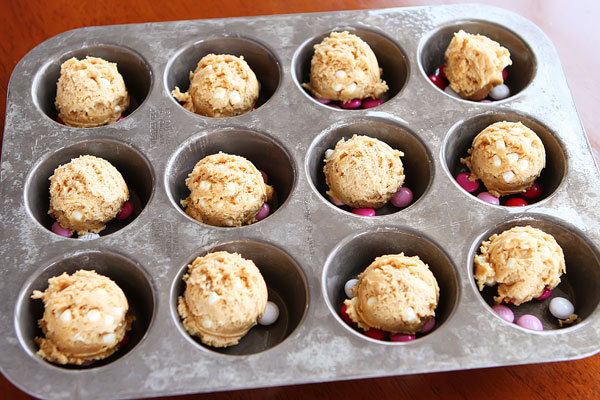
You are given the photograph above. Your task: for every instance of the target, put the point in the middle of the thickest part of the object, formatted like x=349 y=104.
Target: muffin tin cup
x=306 y=246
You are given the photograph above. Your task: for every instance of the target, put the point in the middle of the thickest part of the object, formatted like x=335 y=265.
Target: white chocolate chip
x=202 y=203
x=118 y=311
x=109 y=320
x=101 y=292
x=410 y=314
x=507 y=176
x=117 y=109
x=491 y=281
x=523 y=164
x=207 y=324
x=328 y=153
x=93 y=315
x=204 y=185
x=512 y=158
x=230 y=189
x=212 y=297
x=66 y=316
x=219 y=93
x=371 y=301
x=497 y=161
x=104 y=82
x=500 y=144
x=229 y=222
x=338 y=87
x=340 y=74
x=351 y=88
x=238 y=284
x=109 y=338
x=511 y=263
x=77 y=216
x=234 y=97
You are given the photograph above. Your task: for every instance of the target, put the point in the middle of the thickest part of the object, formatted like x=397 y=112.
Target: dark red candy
x=534 y=192
x=376 y=334
x=504 y=74
x=345 y=316
x=438 y=81
x=515 y=202
x=59 y=120
x=124 y=340
x=126 y=211
x=441 y=71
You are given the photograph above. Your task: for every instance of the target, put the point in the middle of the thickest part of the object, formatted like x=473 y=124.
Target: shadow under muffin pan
x=132 y=66
x=286 y=286
x=417 y=162
x=460 y=138
x=580 y=284
x=133 y=166
x=261 y=60
x=354 y=254
x=266 y=155
x=126 y=273
x=524 y=63
x=390 y=57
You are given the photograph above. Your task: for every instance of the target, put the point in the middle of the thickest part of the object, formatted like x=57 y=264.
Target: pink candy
x=370 y=103
x=264 y=212
x=547 y=292
x=352 y=104
x=365 y=212
x=402 y=198
x=504 y=312
x=322 y=101
x=529 y=321
x=465 y=183
x=126 y=211
x=428 y=326
x=334 y=106
x=264 y=175
x=399 y=337
x=59 y=230
x=337 y=203
x=488 y=198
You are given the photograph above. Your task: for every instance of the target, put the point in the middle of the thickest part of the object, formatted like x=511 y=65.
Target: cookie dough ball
x=224 y=297
x=221 y=86
x=345 y=68
x=523 y=261
x=396 y=293
x=507 y=156
x=85 y=318
x=90 y=92
x=86 y=193
x=363 y=172
x=474 y=65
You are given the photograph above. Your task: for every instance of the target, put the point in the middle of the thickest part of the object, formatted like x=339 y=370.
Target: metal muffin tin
x=307 y=248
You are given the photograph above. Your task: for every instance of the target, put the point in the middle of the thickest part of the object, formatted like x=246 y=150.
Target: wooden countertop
x=573 y=28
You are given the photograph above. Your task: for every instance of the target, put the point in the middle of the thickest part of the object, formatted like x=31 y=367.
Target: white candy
x=350 y=284
x=89 y=236
x=451 y=92
x=500 y=92
x=270 y=315
x=561 y=308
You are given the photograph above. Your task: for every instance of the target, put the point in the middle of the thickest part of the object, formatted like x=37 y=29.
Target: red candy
x=345 y=316
x=364 y=212
x=59 y=120
x=441 y=72
x=437 y=81
x=515 y=202
x=534 y=192
x=352 y=104
x=370 y=103
x=547 y=292
x=126 y=211
x=465 y=183
x=504 y=74
x=376 y=334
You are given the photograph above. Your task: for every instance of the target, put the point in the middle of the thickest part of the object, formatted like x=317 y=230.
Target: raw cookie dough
x=345 y=68
x=90 y=92
x=225 y=190
x=86 y=193
x=396 y=293
x=225 y=295
x=363 y=172
x=523 y=261
x=474 y=65
x=85 y=318
x=507 y=156
x=221 y=86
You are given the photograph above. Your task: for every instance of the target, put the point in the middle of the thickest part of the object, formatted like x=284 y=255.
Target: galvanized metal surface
x=308 y=247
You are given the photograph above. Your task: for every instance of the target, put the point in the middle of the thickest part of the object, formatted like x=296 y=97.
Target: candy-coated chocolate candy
x=88 y=236
x=402 y=198
x=352 y=104
x=400 y=337
x=465 y=183
x=441 y=71
x=504 y=74
x=428 y=325
x=515 y=202
x=125 y=340
x=334 y=106
x=264 y=212
x=529 y=321
x=126 y=211
x=485 y=101
x=120 y=118
x=270 y=315
x=59 y=120
x=59 y=230
x=488 y=198
x=500 y=92
x=345 y=316
x=350 y=284
x=561 y=308
x=365 y=212
x=504 y=312
x=337 y=203
x=545 y=294
x=52 y=215
x=377 y=334
x=322 y=101
x=533 y=192
x=438 y=81
x=264 y=175
x=370 y=103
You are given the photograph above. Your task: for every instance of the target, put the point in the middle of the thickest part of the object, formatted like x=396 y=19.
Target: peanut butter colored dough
x=225 y=190
x=90 y=92
x=86 y=193
x=474 y=65
x=395 y=293
x=507 y=156
x=225 y=296
x=523 y=261
x=344 y=68
x=85 y=318
x=221 y=86
x=363 y=172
